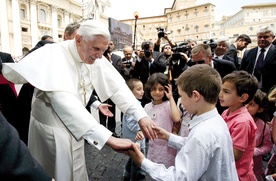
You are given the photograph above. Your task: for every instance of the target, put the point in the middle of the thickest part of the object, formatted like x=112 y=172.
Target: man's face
x=167 y=50
x=89 y=51
x=70 y=37
x=241 y=44
x=192 y=44
x=128 y=53
x=221 y=48
x=111 y=46
x=145 y=51
x=264 y=39
x=201 y=58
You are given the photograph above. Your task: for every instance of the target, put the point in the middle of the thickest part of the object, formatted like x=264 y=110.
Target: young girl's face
x=157 y=93
x=228 y=96
x=138 y=90
x=253 y=108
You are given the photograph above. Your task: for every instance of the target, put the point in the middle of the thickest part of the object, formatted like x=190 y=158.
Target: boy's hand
x=136 y=155
x=161 y=133
x=139 y=135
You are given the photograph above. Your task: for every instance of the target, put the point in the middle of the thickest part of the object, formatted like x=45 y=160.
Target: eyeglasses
x=192 y=62
x=264 y=37
x=198 y=61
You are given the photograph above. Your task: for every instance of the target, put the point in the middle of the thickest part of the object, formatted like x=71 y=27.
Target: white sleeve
x=77 y=119
x=176 y=141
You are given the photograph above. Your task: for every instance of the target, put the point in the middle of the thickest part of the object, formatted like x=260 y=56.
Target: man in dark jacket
x=150 y=63
x=16 y=162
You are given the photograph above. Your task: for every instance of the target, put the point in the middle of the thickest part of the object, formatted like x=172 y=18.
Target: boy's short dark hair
x=244 y=37
x=244 y=82
x=130 y=83
x=156 y=78
x=202 y=78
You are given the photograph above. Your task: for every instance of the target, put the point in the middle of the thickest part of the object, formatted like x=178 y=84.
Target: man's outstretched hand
x=146 y=125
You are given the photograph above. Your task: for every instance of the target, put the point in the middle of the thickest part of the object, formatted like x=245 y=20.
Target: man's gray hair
x=223 y=39
x=266 y=29
x=91 y=28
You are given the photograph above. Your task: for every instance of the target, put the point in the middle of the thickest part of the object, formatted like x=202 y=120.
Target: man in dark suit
x=265 y=69
x=241 y=43
x=16 y=162
x=150 y=63
x=202 y=54
x=8 y=93
x=221 y=50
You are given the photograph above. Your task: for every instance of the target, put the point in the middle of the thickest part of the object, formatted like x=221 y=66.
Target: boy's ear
x=196 y=95
x=244 y=97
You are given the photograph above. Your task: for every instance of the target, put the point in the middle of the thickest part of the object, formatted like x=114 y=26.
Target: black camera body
x=212 y=44
x=182 y=47
x=127 y=63
x=161 y=32
x=146 y=47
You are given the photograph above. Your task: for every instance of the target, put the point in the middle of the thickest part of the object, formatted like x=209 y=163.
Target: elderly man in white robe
x=64 y=75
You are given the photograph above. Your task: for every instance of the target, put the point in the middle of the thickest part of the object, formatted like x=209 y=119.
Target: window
x=178 y=18
x=22 y=14
x=24 y=29
x=196 y=29
x=42 y=15
x=186 y=16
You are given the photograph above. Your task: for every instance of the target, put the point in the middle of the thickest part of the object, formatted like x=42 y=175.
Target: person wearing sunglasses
x=202 y=54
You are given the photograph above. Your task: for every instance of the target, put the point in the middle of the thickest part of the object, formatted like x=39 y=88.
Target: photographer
x=128 y=62
x=151 y=62
x=162 y=34
x=178 y=64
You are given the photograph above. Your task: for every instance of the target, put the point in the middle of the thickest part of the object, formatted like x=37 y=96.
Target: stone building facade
x=186 y=20
x=24 y=22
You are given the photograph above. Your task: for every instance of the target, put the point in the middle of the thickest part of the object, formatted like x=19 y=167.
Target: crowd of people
x=205 y=112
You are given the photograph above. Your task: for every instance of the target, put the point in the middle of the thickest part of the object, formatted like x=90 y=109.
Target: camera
x=176 y=56
x=182 y=47
x=212 y=44
x=127 y=63
x=147 y=52
x=161 y=32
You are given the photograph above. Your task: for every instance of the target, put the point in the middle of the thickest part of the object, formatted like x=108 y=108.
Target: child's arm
x=237 y=154
x=176 y=127
x=266 y=145
x=136 y=154
x=274 y=130
x=139 y=135
x=162 y=133
x=175 y=113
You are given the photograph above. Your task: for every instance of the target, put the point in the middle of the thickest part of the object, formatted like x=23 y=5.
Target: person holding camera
x=128 y=62
x=162 y=34
x=150 y=62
